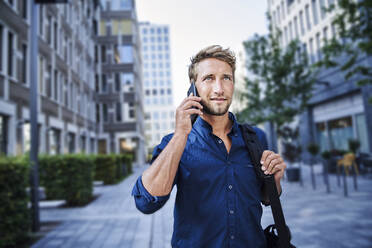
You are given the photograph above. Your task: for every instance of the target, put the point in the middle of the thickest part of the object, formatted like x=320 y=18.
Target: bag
x=283 y=237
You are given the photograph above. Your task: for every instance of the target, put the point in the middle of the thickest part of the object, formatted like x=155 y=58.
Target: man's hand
x=273 y=163
x=183 y=112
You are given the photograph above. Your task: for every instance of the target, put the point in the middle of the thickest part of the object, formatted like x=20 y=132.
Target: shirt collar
x=204 y=126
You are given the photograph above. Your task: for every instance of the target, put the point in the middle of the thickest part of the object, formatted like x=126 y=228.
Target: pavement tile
x=316 y=219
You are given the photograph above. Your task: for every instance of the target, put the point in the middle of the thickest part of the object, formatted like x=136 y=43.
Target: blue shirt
x=218 y=201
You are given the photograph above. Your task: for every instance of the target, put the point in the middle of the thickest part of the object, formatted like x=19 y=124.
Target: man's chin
x=216 y=112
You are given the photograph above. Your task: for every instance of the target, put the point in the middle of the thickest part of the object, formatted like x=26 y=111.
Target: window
x=1 y=47
x=127 y=78
x=165 y=30
x=322 y=9
x=82 y=143
x=315 y=11
x=307 y=13
x=296 y=27
x=132 y=113
x=105 y=112
x=118 y=112
x=169 y=91
x=312 y=57
x=56 y=36
x=104 y=83
x=302 y=23
x=41 y=75
x=126 y=54
x=278 y=14
x=24 y=63
x=71 y=142
x=318 y=51
x=290 y=31
x=286 y=35
x=144 y=31
x=325 y=34
x=49 y=82
x=154 y=92
x=55 y=96
x=41 y=20
x=98 y=115
x=340 y=131
x=361 y=125
x=283 y=15
x=160 y=39
x=66 y=93
x=10 y=54
x=103 y=54
x=54 y=141
x=49 y=30
x=24 y=8
x=3 y=134
x=117 y=82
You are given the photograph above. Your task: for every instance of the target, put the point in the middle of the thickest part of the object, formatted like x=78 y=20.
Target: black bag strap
x=255 y=151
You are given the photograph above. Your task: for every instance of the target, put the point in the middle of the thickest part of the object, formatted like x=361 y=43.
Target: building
x=118 y=82
x=158 y=92
x=339 y=109
x=89 y=78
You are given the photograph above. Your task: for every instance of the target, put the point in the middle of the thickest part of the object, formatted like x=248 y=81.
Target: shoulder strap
x=255 y=151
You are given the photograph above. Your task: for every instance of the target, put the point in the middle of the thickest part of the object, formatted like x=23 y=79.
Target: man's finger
x=265 y=154
x=269 y=158
x=190 y=104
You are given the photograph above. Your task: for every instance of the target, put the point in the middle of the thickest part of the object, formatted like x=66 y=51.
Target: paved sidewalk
x=316 y=219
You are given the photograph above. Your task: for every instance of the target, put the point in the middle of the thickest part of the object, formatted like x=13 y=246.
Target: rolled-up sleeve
x=145 y=202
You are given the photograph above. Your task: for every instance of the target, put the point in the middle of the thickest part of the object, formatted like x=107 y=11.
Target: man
x=218 y=193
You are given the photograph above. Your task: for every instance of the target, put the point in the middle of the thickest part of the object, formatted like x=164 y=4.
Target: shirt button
x=230 y=186
x=219 y=141
x=231 y=211
x=232 y=237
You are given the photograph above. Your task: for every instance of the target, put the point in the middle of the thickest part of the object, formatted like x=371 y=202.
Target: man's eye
x=208 y=78
x=227 y=78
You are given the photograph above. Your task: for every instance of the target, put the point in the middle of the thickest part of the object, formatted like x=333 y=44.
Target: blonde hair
x=214 y=51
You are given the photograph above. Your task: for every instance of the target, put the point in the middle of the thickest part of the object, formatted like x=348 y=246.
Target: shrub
x=68 y=177
x=50 y=168
x=15 y=215
x=77 y=172
x=106 y=168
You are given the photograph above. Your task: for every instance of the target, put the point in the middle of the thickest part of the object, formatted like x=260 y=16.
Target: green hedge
x=106 y=168
x=112 y=168
x=68 y=177
x=15 y=221
x=50 y=176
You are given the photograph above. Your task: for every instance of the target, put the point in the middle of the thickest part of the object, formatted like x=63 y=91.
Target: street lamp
x=34 y=175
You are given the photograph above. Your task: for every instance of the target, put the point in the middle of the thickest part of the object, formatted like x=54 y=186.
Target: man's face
x=215 y=85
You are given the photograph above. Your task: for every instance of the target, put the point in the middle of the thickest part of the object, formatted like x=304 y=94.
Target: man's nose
x=218 y=87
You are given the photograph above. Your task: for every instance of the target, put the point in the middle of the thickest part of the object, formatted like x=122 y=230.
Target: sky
x=195 y=24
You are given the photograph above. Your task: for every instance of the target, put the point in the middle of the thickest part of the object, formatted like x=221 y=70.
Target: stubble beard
x=211 y=109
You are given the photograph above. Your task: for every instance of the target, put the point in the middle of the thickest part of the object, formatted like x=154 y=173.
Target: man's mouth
x=218 y=99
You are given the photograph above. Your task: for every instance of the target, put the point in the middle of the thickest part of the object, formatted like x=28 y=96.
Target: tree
x=353 y=40
x=280 y=84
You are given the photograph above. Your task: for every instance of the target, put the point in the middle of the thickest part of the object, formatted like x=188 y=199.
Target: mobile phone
x=194 y=92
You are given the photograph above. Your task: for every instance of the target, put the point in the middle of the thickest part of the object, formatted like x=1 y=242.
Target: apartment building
x=158 y=90
x=66 y=106
x=339 y=109
x=89 y=78
x=118 y=83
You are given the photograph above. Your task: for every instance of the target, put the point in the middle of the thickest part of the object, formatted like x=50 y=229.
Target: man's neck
x=221 y=124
